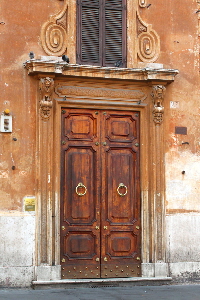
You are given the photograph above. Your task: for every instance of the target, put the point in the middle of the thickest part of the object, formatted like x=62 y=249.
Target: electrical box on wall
x=6 y=123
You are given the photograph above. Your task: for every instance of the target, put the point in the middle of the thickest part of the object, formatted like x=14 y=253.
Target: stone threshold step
x=95 y=283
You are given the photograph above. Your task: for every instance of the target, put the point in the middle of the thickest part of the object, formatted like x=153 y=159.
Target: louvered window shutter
x=114 y=41
x=101 y=32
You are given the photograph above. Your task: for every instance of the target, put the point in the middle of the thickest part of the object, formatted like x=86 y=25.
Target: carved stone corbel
x=46 y=87
x=158 y=93
x=148 y=41
x=54 y=33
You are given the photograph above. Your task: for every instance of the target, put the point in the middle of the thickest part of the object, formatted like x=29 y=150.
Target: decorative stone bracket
x=46 y=87
x=158 y=93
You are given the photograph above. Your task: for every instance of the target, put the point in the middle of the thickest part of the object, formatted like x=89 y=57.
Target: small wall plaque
x=29 y=203
x=174 y=104
x=181 y=130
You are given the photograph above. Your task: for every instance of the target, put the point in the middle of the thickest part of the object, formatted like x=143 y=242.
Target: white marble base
x=47 y=273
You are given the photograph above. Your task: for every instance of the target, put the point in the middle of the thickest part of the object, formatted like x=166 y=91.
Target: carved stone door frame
x=137 y=89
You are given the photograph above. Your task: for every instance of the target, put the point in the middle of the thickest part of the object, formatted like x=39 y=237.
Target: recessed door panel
x=100 y=194
x=79 y=245
x=79 y=126
x=120 y=192
x=121 y=246
x=120 y=128
x=80 y=210
x=80 y=166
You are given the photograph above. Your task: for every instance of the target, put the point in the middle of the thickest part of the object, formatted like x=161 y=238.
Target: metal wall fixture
x=6 y=121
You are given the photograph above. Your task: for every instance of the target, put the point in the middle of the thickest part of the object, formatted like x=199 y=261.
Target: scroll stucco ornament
x=54 y=33
x=148 y=42
x=158 y=94
x=46 y=86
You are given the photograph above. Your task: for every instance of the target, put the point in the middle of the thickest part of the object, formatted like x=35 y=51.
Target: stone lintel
x=148 y=74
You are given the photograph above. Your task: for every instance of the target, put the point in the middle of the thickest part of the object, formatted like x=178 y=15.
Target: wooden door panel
x=120 y=128
x=80 y=169
x=80 y=211
x=80 y=126
x=120 y=240
x=81 y=244
x=119 y=185
x=120 y=245
x=124 y=269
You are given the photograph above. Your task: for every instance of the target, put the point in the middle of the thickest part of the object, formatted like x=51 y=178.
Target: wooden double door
x=100 y=194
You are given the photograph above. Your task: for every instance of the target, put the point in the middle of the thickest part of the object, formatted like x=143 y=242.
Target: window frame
x=122 y=63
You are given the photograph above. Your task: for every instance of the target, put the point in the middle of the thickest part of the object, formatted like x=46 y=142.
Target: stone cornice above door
x=153 y=73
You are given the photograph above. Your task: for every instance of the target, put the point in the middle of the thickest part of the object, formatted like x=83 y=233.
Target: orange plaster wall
x=20 y=26
x=177 y=25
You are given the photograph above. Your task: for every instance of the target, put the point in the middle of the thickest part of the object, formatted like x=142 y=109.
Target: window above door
x=101 y=32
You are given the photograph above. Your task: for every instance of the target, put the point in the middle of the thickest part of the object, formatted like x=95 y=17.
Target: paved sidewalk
x=172 y=292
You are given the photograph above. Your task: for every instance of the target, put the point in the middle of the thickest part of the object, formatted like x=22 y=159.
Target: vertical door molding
x=44 y=173
x=158 y=180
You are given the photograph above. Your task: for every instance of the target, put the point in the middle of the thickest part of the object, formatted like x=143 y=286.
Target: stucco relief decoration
x=148 y=42
x=68 y=91
x=142 y=3
x=158 y=94
x=46 y=86
x=54 y=33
